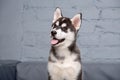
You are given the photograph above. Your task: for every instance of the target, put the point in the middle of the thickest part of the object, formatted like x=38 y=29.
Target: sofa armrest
x=8 y=69
x=101 y=71
x=32 y=71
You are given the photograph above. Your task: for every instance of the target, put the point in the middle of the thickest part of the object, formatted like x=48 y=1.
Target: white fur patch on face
x=64 y=25
x=69 y=37
x=63 y=19
x=57 y=23
x=60 y=34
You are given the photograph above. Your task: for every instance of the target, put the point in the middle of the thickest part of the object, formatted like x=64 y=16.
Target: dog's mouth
x=55 y=41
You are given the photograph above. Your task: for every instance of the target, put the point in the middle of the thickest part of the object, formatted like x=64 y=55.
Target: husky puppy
x=64 y=59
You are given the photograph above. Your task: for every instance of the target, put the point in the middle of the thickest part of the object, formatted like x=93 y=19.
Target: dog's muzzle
x=54 y=40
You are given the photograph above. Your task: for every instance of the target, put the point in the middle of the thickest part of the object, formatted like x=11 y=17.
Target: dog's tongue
x=54 y=41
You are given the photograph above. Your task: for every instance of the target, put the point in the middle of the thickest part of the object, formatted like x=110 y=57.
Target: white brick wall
x=107 y=3
x=25 y=27
x=111 y=13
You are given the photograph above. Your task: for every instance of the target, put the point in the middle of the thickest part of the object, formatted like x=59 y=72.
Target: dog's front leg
x=49 y=77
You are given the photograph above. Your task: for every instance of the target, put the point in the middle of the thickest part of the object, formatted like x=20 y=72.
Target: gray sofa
x=16 y=70
x=8 y=69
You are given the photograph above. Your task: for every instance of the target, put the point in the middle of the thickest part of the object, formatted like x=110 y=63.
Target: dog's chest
x=64 y=69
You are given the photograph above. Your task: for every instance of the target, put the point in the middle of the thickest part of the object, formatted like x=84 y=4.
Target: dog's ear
x=76 y=21
x=57 y=14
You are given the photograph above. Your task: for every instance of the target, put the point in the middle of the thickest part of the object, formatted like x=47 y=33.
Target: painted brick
x=35 y=39
x=111 y=13
x=10 y=29
x=90 y=13
x=83 y=50
x=37 y=14
x=109 y=25
x=69 y=12
x=110 y=39
x=103 y=53
x=73 y=4
x=87 y=26
x=38 y=3
x=36 y=46
x=9 y=45
x=34 y=54
x=29 y=39
x=88 y=39
x=107 y=3
x=36 y=26
x=25 y=27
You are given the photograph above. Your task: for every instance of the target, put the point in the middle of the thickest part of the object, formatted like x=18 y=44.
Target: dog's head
x=64 y=30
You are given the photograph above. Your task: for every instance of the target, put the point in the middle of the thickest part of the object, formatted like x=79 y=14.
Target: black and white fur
x=64 y=58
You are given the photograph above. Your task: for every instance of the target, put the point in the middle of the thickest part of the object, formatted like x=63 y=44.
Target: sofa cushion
x=101 y=71
x=32 y=71
x=8 y=69
x=91 y=71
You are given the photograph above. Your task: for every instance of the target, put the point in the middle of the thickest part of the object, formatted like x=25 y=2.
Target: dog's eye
x=64 y=28
x=53 y=26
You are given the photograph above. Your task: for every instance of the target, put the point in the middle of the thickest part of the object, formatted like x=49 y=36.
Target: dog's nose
x=53 y=33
